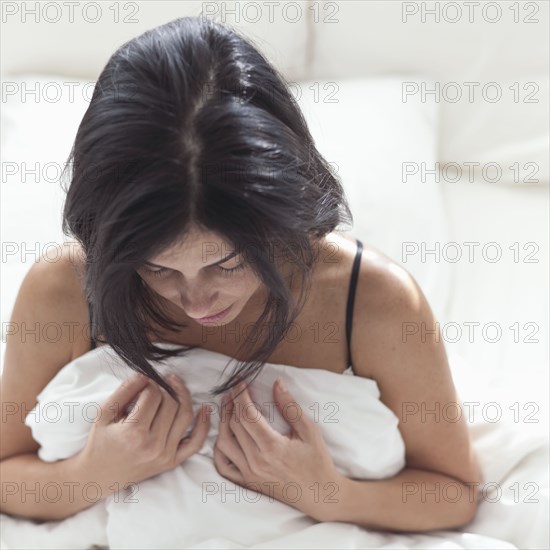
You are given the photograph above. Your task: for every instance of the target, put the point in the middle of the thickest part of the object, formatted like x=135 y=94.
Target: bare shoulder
x=385 y=290
x=396 y=341
x=47 y=323
x=66 y=272
x=385 y=287
x=389 y=304
x=64 y=281
x=51 y=298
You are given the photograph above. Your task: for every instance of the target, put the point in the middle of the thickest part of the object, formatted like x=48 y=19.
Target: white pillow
x=364 y=128
x=490 y=65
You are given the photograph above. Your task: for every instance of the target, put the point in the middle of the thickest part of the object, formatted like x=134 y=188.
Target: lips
x=222 y=312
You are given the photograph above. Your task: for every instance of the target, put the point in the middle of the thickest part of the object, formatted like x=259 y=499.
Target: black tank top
x=349 y=308
x=90 y=320
x=351 y=298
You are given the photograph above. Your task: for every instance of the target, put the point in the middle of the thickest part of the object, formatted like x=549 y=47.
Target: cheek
x=251 y=282
x=239 y=286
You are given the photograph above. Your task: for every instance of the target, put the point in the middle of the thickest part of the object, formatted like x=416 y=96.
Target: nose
x=200 y=303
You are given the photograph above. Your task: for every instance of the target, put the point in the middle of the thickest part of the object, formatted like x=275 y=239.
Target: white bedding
x=506 y=372
x=365 y=443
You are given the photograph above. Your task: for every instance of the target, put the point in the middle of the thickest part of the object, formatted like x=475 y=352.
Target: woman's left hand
x=296 y=468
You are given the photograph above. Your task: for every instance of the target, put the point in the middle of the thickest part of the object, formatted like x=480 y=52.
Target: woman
x=205 y=216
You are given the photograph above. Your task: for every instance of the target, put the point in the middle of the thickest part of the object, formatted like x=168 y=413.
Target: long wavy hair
x=189 y=125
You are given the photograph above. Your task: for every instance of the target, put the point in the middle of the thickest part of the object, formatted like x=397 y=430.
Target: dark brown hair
x=190 y=126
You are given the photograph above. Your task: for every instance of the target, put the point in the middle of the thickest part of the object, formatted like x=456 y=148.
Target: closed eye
x=163 y=270
x=232 y=270
x=158 y=272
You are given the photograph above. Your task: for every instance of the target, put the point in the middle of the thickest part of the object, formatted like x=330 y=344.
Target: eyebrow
x=228 y=257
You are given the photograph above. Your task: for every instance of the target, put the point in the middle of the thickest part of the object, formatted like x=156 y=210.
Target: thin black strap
x=91 y=335
x=351 y=297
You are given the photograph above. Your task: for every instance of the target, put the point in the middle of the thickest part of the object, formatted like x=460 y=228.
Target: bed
x=397 y=214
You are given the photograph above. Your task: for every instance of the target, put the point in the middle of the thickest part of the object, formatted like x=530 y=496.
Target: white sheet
x=364 y=443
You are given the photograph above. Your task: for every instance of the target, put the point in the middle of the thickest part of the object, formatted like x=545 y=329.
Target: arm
x=392 y=343
x=412 y=500
x=46 y=491
x=49 y=295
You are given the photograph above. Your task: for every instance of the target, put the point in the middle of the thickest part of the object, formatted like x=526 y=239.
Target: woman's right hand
x=129 y=447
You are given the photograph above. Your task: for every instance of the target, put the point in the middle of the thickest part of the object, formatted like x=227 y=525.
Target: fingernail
x=282 y=385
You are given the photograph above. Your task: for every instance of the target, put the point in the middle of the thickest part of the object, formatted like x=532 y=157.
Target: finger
x=247 y=444
x=302 y=426
x=226 y=467
x=227 y=443
x=114 y=406
x=184 y=415
x=165 y=415
x=146 y=406
x=180 y=386
x=194 y=442
x=252 y=419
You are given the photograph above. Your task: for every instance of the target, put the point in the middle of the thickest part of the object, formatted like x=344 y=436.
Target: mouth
x=216 y=317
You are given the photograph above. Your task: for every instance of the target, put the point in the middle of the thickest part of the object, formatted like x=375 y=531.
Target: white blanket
x=194 y=506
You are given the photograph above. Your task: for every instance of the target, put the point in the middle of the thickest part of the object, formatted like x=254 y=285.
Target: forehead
x=196 y=243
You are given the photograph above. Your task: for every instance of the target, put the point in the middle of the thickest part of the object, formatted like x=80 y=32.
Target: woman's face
x=202 y=276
